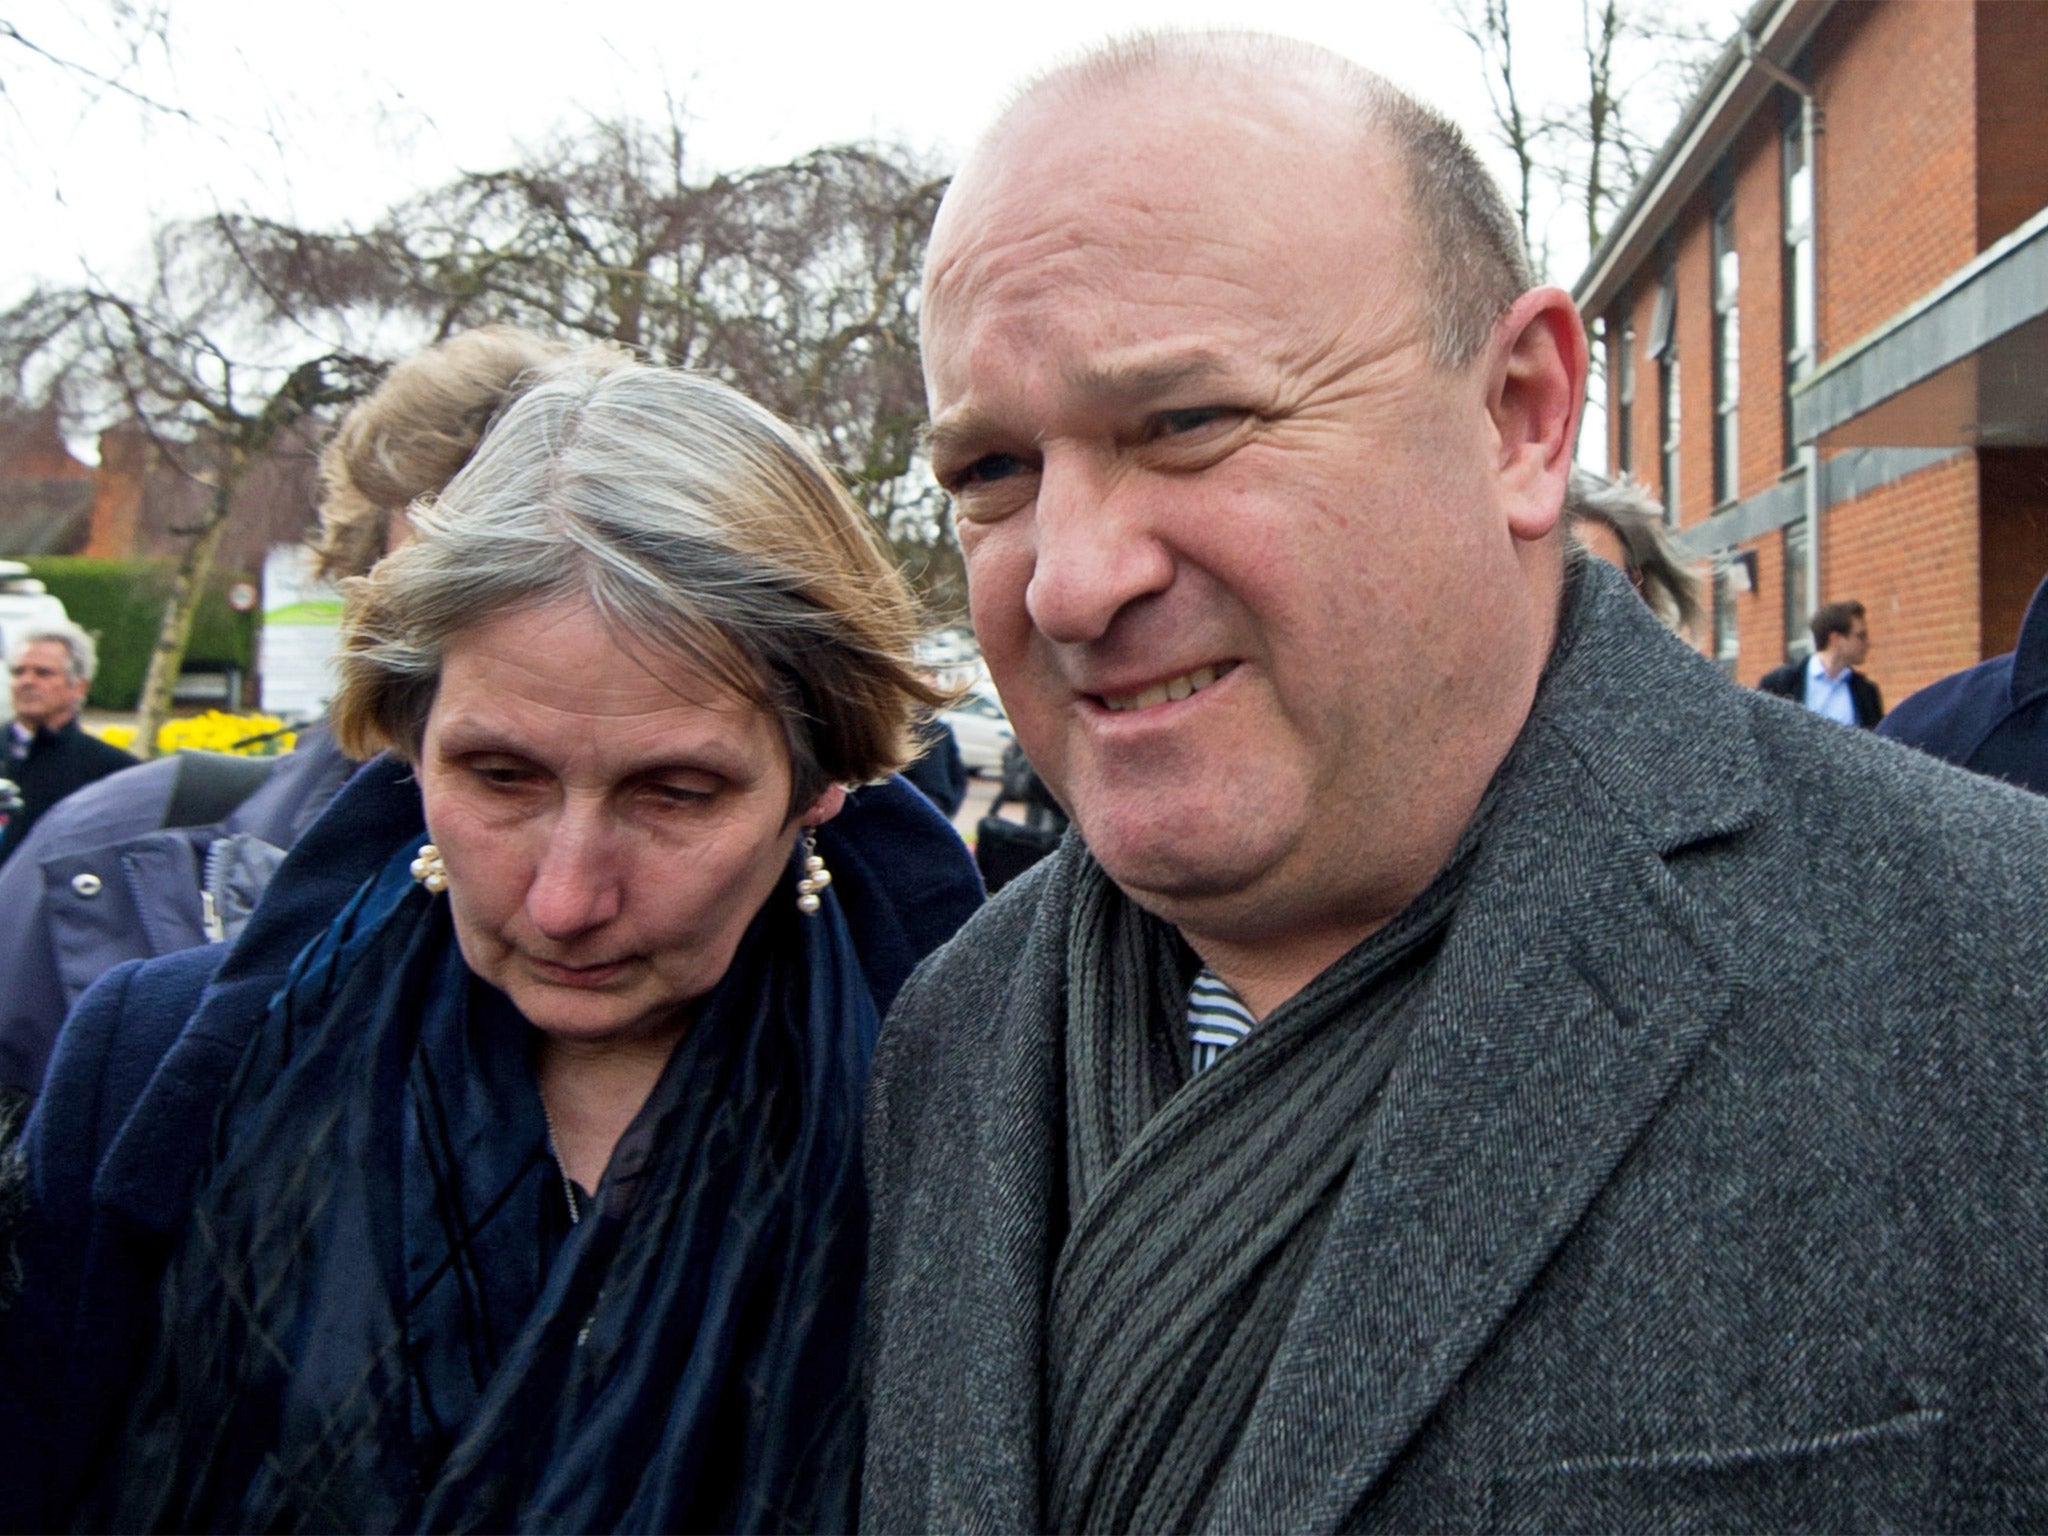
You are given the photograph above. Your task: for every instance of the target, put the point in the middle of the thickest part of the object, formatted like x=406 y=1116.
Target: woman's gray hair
x=1653 y=562
x=695 y=522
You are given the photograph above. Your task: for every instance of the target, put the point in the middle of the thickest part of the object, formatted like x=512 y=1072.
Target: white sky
x=331 y=112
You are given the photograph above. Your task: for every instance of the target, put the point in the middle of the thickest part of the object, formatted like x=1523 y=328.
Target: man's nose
x=1096 y=547
x=575 y=885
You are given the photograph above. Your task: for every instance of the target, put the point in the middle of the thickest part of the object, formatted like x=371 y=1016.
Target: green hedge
x=122 y=602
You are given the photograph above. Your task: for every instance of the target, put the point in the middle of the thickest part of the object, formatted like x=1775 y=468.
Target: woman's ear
x=825 y=807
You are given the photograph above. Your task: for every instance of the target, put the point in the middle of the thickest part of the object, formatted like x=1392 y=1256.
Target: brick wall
x=1696 y=365
x=2012 y=149
x=1896 y=83
x=1909 y=551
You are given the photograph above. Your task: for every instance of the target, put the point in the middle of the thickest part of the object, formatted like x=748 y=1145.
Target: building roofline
x=1736 y=85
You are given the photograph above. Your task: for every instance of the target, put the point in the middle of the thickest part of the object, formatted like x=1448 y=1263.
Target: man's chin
x=1165 y=874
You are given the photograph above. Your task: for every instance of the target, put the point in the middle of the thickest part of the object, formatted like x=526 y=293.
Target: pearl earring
x=429 y=870
x=814 y=878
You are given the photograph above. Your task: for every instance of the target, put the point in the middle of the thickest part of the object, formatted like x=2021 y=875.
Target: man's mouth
x=1170 y=691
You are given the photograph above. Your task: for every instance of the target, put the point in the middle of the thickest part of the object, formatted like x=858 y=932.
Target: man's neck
x=1832 y=664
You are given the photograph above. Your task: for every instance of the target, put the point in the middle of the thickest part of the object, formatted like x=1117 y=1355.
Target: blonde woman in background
x=174 y=853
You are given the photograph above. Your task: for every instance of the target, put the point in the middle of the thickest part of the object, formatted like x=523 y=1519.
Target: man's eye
x=1193 y=419
x=986 y=470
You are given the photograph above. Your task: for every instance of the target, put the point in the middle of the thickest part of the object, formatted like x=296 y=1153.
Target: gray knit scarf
x=1197 y=1206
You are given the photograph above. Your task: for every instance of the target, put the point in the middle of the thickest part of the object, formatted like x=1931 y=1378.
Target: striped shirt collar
x=1217 y=1018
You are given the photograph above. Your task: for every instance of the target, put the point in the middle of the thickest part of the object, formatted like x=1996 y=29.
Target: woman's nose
x=576 y=878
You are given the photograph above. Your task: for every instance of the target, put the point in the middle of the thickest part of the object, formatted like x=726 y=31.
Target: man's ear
x=825 y=807
x=1535 y=393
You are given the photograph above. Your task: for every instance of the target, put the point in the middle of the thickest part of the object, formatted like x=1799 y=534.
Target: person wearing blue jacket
x=1991 y=718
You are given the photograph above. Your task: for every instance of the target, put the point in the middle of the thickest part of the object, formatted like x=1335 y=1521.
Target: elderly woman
x=505 y=1176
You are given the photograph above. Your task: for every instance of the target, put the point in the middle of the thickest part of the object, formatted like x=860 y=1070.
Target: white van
x=24 y=605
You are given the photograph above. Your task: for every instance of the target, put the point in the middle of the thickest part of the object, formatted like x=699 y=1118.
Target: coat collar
x=1578 y=980
x=2030 y=655
x=45 y=735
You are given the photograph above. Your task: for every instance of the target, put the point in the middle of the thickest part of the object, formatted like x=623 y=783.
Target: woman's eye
x=502 y=775
x=678 y=795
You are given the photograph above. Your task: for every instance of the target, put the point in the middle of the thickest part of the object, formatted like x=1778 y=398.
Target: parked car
x=982 y=731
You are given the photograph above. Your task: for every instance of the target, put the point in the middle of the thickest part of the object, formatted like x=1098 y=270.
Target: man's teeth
x=1173 y=688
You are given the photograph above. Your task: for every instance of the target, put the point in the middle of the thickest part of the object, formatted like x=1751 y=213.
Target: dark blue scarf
x=378 y=1316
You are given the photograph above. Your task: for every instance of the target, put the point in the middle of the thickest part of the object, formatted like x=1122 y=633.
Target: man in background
x=48 y=753
x=1827 y=681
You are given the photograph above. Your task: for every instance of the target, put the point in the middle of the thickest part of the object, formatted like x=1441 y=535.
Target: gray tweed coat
x=1708 y=1195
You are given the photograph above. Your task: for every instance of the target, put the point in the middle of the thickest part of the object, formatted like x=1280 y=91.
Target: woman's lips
x=576 y=975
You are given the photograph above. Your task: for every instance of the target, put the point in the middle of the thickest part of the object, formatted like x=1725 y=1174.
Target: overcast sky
x=330 y=113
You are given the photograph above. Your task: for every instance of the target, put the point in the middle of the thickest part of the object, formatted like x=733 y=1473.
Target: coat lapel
x=1578 y=980
x=986 y=1411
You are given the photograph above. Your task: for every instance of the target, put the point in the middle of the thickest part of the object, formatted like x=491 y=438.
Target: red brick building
x=1825 y=320
x=137 y=502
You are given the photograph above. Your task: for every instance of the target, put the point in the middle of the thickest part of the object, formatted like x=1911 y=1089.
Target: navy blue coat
x=1991 y=718
x=119 y=1133
x=143 y=898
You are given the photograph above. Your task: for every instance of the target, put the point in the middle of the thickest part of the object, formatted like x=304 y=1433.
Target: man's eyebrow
x=1141 y=381
x=954 y=433
x=1112 y=384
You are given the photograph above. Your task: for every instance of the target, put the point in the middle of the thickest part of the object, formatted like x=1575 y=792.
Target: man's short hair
x=81 y=656
x=1833 y=619
x=1468 y=247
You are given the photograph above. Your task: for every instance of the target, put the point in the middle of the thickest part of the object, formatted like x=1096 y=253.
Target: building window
x=1797 y=268
x=1625 y=398
x=1664 y=348
x=1727 y=357
x=1798 y=641
x=1727 y=636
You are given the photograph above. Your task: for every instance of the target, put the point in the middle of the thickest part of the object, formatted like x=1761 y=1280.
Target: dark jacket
x=119 y=1133
x=58 y=762
x=102 y=880
x=1789 y=682
x=939 y=773
x=1706 y=1194
x=1991 y=718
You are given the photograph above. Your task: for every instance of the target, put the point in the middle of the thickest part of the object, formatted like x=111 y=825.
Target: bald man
x=1436 y=1088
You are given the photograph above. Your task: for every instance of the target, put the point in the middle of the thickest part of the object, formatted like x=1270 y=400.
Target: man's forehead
x=1157 y=149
